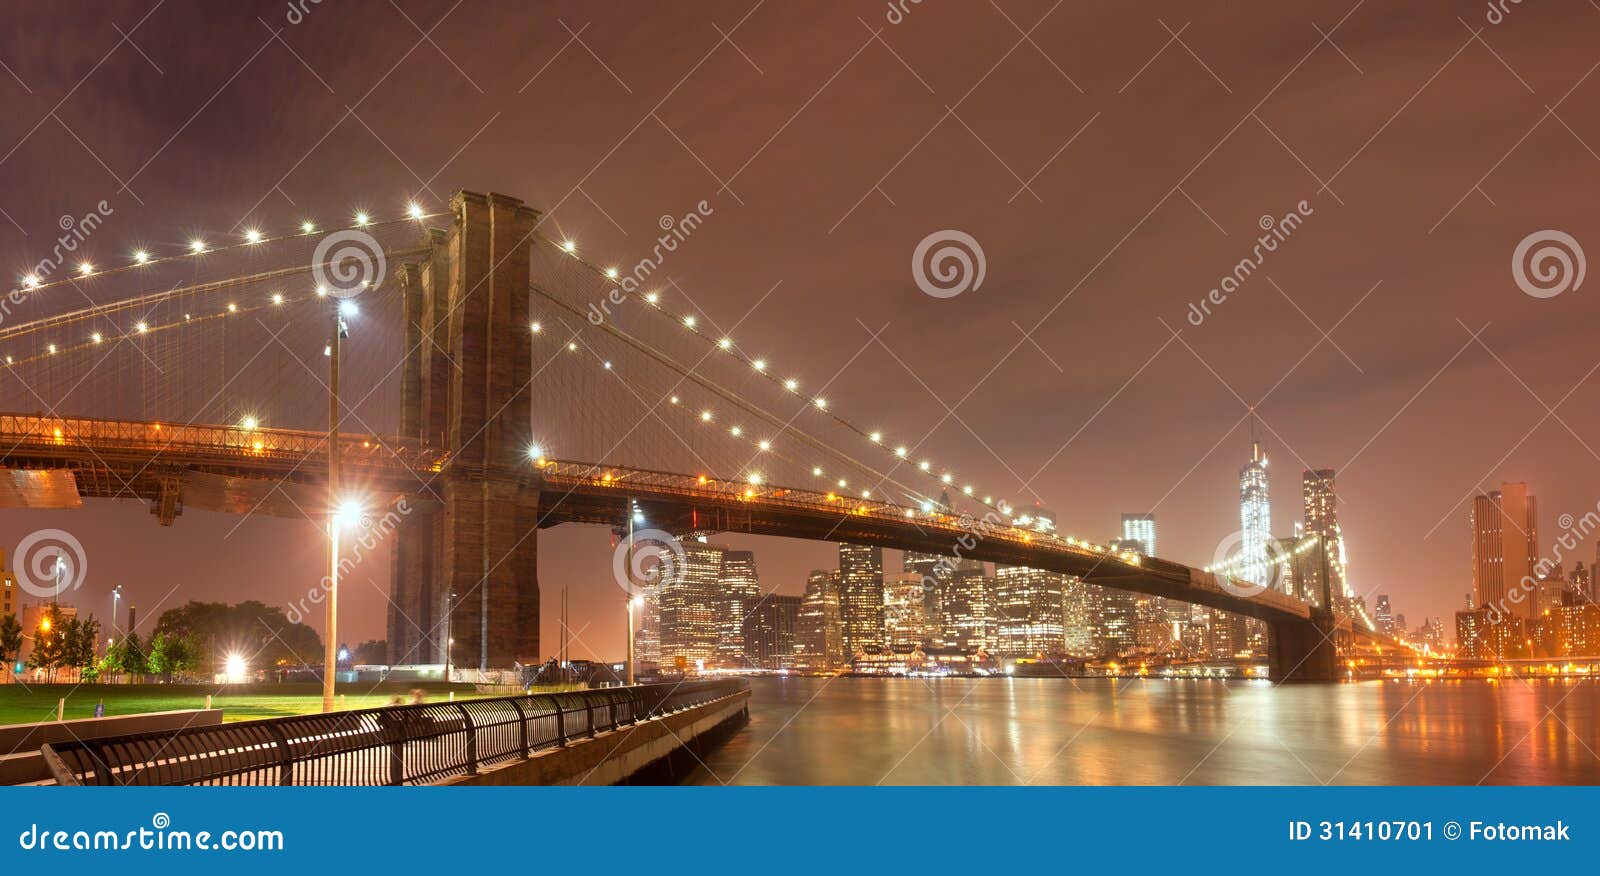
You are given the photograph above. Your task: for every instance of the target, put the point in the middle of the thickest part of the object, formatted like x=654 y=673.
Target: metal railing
x=394 y=745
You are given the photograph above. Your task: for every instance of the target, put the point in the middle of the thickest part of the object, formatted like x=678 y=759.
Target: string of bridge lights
x=900 y=452
x=142 y=257
x=1233 y=565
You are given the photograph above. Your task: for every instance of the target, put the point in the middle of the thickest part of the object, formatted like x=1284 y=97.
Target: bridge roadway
x=54 y=462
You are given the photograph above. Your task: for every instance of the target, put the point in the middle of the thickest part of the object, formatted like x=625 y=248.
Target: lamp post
x=330 y=653
x=116 y=595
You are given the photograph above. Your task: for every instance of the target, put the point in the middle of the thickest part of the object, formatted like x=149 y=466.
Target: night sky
x=1112 y=159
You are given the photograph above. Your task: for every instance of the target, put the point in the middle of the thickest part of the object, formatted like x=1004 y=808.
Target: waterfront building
x=861 y=595
x=770 y=631
x=1505 y=547
x=964 y=608
x=741 y=593
x=1383 y=616
x=1321 y=509
x=906 y=619
x=1028 y=607
x=8 y=588
x=820 y=637
x=1079 y=608
x=1255 y=516
x=692 y=607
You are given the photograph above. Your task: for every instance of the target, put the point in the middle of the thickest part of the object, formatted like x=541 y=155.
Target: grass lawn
x=37 y=702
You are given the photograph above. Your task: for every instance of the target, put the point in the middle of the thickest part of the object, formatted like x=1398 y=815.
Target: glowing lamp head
x=611 y=273
x=688 y=321
x=249 y=423
x=348 y=308
x=85 y=268
x=140 y=257
x=414 y=210
x=536 y=328
x=235 y=668
x=307 y=228
x=142 y=327
x=569 y=246
x=759 y=364
x=362 y=218
x=651 y=297
x=252 y=236
x=348 y=513
x=197 y=246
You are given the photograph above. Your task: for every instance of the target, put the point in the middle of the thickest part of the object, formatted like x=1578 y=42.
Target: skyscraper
x=906 y=620
x=964 y=608
x=692 y=606
x=1255 y=516
x=861 y=596
x=770 y=631
x=1142 y=529
x=741 y=593
x=1383 y=615
x=1322 y=523
x=820 y=638
x=1505 y=547
x=935 y=572
x=1028 y=606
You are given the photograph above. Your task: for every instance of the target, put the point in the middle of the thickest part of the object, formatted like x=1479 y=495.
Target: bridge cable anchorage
x=652 y=299
x=142 y=259
x=152 y=298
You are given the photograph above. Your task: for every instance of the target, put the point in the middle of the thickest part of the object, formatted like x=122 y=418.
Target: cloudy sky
x=1114 y=161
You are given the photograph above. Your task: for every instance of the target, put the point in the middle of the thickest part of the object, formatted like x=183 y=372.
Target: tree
x=173 y=655
x=10 y=638
x=371 y=652
x=48 y=641
x=131 y=656
x=80 y=648
x=259 y=632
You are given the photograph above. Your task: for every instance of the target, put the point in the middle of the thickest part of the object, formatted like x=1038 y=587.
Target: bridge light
x=611 y=273
x=945 y=478
x=30 y=282
x=52 y=349
x=924 y=465
x=866 y=494
x=875 y=437
x=85 y=268
x=252 y=236
x=651 y=297
x=140 y=257
x=536 y=328
x=927 y=507
x=725 y=343
x=608 y=365
x=764 y=445
x=842 y=483
x=967 y=489
x=900 y=452
x=673 y=400
x=988 y=500
x=572 y=347
x=755 y=479
x=414 y=210
x=736 y=431
x=257 y=446
x=233 y=308
x=535 y=452
x=817 y=471
x=702 y=480
x=362 y=218
x=759 y=364
x=197 y=246
x=8 y=360
x=249 y=423
x=141 y=327
x=96 y=337
x=688 y=321
x=822 y=403
x=910 y=513
x=306 y=227
x=705 y=416
x=569 y=246
x=322 y=291
x=277 y=298
x=791 y=384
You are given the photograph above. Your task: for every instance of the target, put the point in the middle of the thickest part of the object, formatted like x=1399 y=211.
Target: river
x=995 y=731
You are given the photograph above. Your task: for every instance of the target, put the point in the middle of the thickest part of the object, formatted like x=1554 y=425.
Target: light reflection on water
x=863 y=731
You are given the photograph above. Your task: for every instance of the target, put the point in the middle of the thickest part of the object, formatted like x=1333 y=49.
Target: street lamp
x=345 y=514
x=634 y=515
x=633 y=603
x=116 y=595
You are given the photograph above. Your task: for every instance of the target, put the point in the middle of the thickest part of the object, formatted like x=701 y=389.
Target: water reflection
x=863 y=731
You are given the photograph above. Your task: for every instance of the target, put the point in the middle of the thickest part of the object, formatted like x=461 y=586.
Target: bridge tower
x=465 y=561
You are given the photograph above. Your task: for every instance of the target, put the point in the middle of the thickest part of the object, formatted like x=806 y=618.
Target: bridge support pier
x=1304 y=650
x=468 y=572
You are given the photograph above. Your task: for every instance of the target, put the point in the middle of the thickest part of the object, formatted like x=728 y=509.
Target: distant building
x=1481 y=634
x=906 y=618
x=861 y=595
x=692 y=607
x=741 y=592
x=964 y=622
x=1505 y=547
x=1383 y=616
x=936 y=573
x=1027 y=609
x=1080 y=605
x=820 y=638
x=8 y=588
x=1321 y=509
x=770 y=631
x=1142 y=529
x=1432 y=634
x=1255 y=516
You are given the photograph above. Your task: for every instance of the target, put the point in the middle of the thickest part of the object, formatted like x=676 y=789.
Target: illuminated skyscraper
x=1322 y=523
x=770 y=631
x=1383 y=616
x=964 y=608
x=741 y=593
x=692 y=606
x=935 y=572
x=1505 y=547
x=861 y=596
x=1255 y=517
x=820 y=638
x=906 y=619
x=1142 y=529
x=1028 y=605
x=1079 y=606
